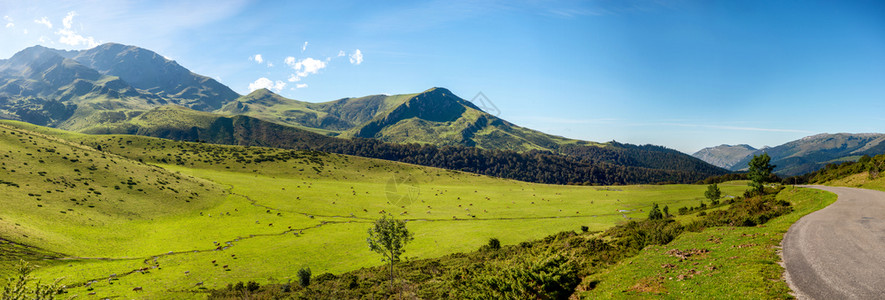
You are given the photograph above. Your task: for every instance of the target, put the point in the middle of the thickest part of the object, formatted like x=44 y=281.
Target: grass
x=195 y=198
x=860 y=180
x=722 y=262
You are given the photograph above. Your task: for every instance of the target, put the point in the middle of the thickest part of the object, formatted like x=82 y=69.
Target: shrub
x=304 y=276
x=494 y=244
x=585 y=228
x=324 y=277
x=655 y=213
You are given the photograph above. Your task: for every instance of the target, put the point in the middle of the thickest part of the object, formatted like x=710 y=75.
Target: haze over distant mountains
x=800 y=156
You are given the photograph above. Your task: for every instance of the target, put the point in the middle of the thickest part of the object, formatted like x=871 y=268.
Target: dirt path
x=839 y=252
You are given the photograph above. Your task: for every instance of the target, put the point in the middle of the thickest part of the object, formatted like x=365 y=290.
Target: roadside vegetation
x=701 y=255
x=867 y=172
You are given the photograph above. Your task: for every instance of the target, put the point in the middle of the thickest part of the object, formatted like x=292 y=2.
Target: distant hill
x=116 y=88
x=725 y=156
x=807 y=154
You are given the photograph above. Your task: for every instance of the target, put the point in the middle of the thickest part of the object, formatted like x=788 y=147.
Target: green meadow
x=113 y=212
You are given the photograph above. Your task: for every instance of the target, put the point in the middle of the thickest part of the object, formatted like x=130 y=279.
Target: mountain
x=155 y=74
x=436 y=116
x=116 y=88
x=801 y=156
x=725 y=156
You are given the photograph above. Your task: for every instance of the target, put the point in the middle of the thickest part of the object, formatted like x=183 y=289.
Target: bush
x=18 y=286
x=252 y=286
x=325 y=277
x=552 y=277
x=304 y=276
x=494 y=244
x=585 y=228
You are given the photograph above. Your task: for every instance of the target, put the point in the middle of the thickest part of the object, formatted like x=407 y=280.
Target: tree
x=388 y=237
x=666 y=211
x=760 y=172
x=494 y=244
x=17 y=287
x=713 y=193
x=304 y=276
x=655 y=213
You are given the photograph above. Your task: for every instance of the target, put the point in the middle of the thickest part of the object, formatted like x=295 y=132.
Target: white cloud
x=70 y=37
x=341 y=53
x=69 y=19
x=9 y=23
x=309 y=66
x=264 y=83
x=357 y=57
x=304 y=67
x=304 y=47
x=269 y=64
x=257 y=58
x=44 y=21
x=300 y=85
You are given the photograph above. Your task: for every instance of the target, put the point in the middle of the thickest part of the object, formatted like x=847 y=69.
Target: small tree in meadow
x=19 y=286
x=713 y=193
x=655 y=213
x=388 y=237
x=760 y=172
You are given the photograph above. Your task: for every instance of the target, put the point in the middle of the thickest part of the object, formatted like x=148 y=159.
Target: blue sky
x=683 y=74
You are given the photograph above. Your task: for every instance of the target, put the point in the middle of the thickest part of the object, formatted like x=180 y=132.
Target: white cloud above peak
x=68 y=36
x=264 y=83
x=304 y=47
x=357 y=57
x=257 y=58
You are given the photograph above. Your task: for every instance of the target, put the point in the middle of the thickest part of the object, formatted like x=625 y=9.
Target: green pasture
x=269 y=211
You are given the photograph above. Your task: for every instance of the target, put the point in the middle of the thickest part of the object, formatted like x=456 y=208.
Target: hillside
x=116 y=88
x=866 y=172
x=814 y=152
x=435 y=116
x=605 y=165
x=176 y=217
x=725 y=156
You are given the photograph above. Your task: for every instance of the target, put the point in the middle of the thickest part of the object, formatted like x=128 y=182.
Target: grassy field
x=717 y=263
x=127 y=211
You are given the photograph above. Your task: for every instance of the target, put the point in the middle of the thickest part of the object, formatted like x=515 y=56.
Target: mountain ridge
x=811 y=153
x=115 y=88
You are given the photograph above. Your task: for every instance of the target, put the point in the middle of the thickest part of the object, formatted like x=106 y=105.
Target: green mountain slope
x=155 y=74
x=435 y=116
x=605 y=165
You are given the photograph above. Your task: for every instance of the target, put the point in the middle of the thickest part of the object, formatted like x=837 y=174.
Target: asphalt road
x=839 y=252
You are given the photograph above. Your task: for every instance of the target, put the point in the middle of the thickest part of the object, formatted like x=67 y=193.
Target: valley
x=163 y=208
